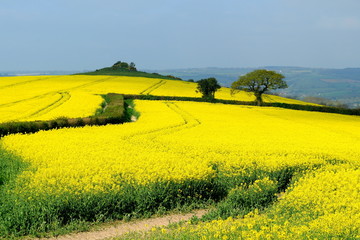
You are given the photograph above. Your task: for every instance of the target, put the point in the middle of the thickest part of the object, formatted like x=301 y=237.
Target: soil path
x=141 y=225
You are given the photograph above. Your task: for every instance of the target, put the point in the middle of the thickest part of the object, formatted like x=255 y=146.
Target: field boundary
x=114 y=111
x=313 y=108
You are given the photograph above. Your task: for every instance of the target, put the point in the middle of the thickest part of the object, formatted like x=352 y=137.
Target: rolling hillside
x=48 y=97
x=267 y=172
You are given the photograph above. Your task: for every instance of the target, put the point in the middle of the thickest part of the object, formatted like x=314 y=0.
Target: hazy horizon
x=56 y=72
x=83 y=35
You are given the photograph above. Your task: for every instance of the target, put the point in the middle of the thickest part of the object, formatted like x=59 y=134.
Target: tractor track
x=53 y=92
x=64 y=97
x=153 y=87
x=26 y=82
x=189 y=121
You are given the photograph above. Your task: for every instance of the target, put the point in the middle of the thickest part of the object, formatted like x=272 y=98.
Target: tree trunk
x=259 y=100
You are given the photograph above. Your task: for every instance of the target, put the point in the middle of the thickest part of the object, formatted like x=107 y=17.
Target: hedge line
x=281 y=105
x=113 y=112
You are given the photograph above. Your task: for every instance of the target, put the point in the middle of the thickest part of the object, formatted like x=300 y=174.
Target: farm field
x=47 y=97
x=322 y=205
x=305 y=165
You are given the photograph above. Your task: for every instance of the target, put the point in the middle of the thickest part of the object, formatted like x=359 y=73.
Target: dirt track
x=141 y=225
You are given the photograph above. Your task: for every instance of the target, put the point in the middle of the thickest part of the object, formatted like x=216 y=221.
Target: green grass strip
x=10 y=166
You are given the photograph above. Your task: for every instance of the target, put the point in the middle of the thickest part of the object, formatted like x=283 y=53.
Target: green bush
x=257 y=195
x=62 y=122
x=245 y=198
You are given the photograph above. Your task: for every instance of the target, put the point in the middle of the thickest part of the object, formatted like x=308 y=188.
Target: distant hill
x=129 y=70
x=336 y=84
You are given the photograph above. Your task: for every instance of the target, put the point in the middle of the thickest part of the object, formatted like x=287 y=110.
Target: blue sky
x=162 y=34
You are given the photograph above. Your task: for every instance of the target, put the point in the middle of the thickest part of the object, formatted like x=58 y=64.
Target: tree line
x=258 y=82
x=124 y=65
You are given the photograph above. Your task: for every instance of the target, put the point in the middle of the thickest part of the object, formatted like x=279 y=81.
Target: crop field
x=48 y=97
x=321 y=205
x=269 y=173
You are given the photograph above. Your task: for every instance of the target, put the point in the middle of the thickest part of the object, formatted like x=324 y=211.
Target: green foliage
x=207 y=87
x=114 y=105
x=259 y=82
x=173 y=77
x=10 y=167
x=245 y=198
x=257 y=195
x=124 y=66
x=130 y=109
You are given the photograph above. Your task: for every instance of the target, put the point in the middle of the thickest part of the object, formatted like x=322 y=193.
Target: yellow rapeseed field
x=322 y=205
x=47 y=97
x=183 y=140
x=184 y=147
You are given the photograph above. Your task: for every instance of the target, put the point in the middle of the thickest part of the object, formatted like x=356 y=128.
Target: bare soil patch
x=126 y=227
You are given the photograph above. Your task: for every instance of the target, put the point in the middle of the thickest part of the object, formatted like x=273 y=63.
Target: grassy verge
x=10 y=167
x=131 y=111
x=113 y=110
